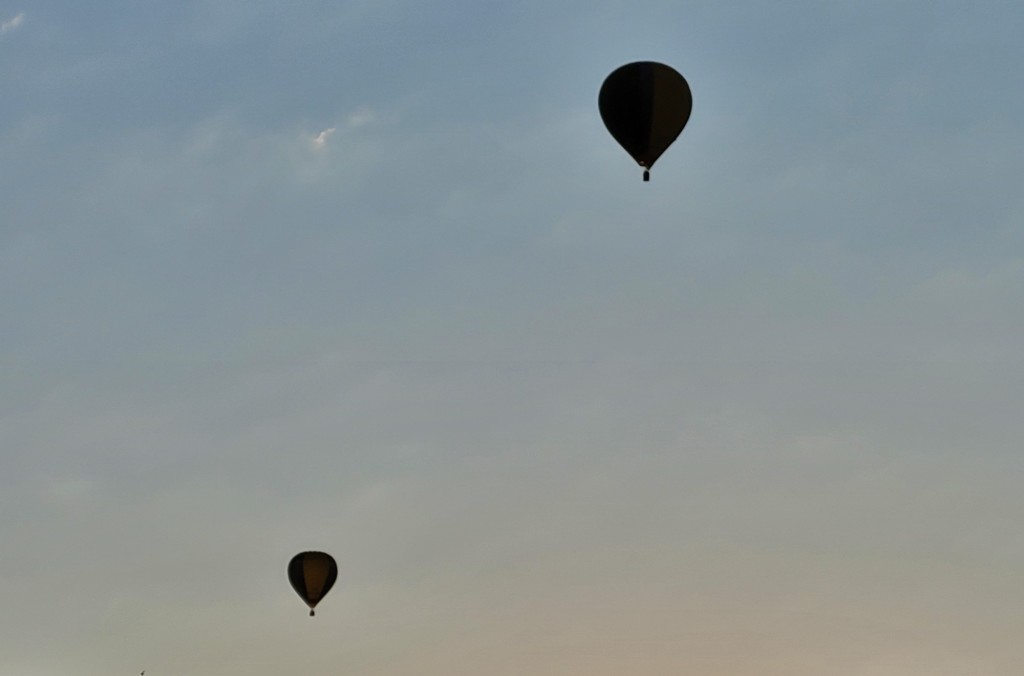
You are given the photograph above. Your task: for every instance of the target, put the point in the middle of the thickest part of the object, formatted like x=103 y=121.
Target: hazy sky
x=370 y=276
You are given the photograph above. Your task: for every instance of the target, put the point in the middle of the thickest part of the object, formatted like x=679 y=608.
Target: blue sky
x=373 y=278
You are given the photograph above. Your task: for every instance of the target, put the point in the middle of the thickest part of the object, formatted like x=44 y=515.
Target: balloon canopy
x=312 y=575
x=645 y=106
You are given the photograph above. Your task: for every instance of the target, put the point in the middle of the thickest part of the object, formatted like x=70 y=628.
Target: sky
x=372 y=278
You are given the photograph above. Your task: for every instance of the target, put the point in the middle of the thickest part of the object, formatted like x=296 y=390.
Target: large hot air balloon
x=312 y=574
x=645 y=105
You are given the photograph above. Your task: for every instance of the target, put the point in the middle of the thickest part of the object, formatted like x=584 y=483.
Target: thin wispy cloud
x=320 y=140
x=359 y=118
x=12 y=24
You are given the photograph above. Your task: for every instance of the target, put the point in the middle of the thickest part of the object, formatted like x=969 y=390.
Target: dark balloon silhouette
x=645 y=106
x=312 y=575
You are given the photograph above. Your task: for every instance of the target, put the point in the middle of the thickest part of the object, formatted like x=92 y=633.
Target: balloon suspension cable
x=647 y=175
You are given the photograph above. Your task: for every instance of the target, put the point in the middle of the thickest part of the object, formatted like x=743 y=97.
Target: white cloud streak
x=320 y=140
x=12 y=23
x=360 y=118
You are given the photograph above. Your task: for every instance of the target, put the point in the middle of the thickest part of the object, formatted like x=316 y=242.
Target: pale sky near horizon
x=372 y=278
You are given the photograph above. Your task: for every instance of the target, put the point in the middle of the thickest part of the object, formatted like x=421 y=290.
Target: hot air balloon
x=312 y=574
x=645 y=106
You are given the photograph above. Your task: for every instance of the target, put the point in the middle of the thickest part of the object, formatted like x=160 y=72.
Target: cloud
x=320 y=140
x=359 y=118
x=12 y=24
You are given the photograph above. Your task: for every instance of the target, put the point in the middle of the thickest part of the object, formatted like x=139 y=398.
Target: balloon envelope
x=312 y=575
x=645 y=106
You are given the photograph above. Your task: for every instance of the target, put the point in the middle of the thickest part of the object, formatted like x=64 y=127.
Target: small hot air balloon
x=312 y=574
x=645 y=106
